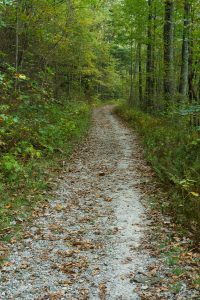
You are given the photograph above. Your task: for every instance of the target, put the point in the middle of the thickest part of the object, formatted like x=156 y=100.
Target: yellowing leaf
x=59 y=207
x=194 y=194
x=20 y=76
x=8 y=206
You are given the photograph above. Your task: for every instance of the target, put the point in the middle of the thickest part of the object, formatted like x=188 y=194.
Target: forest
x=60 y=60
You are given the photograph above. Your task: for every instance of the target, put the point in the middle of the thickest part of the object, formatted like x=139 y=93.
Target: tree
x=131 y=97
x=150 y=57
x=140 y=74
x=183 y=87
x=168 y=39
x=191 y=60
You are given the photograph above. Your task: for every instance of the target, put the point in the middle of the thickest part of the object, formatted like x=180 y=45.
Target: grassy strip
x=35 y=139
x=173 y=150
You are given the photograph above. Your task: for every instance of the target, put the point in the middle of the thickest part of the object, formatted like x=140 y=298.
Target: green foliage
x=31 y=148
x=72 y=54
x=173 y=150
x=40 y=130
x=10 y=166
x=53 y=56
x=178 y=271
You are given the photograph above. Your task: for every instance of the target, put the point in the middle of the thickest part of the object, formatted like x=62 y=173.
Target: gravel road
x=86 y=243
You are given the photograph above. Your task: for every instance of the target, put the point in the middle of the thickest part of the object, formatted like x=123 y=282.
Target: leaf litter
x=98 y=239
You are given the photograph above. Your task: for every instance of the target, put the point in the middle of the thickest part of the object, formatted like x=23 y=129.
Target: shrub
x=173 y=149
x=34 y=138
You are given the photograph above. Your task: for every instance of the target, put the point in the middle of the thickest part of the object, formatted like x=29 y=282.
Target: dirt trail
x=84 y=244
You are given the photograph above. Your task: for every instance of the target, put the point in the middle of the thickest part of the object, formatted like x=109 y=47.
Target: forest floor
x=94 y=239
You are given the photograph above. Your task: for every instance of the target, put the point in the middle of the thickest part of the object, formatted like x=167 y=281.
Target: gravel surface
x=86 y=243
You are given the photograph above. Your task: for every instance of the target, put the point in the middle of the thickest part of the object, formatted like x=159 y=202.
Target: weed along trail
x=87 y=242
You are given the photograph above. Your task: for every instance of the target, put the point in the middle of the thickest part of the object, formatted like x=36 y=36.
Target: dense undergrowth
x=34 y=139
x=173 y=149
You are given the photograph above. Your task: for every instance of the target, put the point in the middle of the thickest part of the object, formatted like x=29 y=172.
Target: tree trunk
x=183 y=87
x=154 y=52
x=140 y=73
x=150 y=63
x=131 y=97
x=191 y=76
x=17 y=44
x=168 y=51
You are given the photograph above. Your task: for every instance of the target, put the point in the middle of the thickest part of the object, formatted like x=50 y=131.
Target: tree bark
x=192 y=93
x=140 y=73
x=168 y=51
x=131 y=97
x=183 y=87
x=17 y=44
x=150 y=63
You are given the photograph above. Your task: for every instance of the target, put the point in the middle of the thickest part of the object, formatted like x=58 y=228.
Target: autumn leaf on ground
x=59 y=207
x=108 y=199
x=102 y=291
x=8 y=206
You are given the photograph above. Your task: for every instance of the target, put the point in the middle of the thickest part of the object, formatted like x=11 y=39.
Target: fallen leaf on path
x=102 y=291
x=85 y=245
x=27 y=235
x=68 y=253
x=53 y=296
x=84 y=294
x=56 y=227
x=24 y=265
x=96 y=271
x=86 y=219
x=108 y=199
x=73 y=267
x=66 y=282
x=164 y=288
x=7 y=264
x=59 y=207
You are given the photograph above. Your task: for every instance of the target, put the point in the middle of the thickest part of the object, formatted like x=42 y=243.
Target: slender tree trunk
x=192 y=92
x=136 y=63
x=131 y=96
x=183 y=87
x=140 y=73
x=17 y=43
x=136 y=69
x=154 y=52
x=191 y=76
x=168 y=51
x=150 y=63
